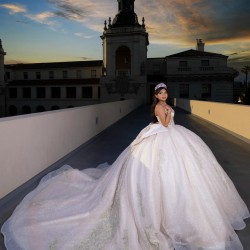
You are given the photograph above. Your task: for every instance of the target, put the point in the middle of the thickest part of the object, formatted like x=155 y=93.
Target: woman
x=165 y=191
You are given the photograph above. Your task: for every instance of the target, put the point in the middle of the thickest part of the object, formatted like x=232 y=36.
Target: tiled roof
x=196 y=53
x=50 y=65
x=58 y=82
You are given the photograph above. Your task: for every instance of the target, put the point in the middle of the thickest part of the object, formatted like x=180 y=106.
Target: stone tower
x=2 y=82
x=2 y=54
x=125 y=43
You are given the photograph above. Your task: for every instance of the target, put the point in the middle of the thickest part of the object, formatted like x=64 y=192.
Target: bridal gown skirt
x=165 y=191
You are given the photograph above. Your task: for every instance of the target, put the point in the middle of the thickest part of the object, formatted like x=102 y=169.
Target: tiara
x=161 y=85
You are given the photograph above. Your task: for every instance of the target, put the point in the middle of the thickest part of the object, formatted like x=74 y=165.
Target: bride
x=165 y=191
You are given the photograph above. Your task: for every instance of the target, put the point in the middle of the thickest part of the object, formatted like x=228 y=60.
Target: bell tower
x=2 y=82
x=2 y=54
x=125 y=43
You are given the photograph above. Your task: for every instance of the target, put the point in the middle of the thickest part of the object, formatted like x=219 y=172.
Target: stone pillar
x=3 y=93
x=2 y=54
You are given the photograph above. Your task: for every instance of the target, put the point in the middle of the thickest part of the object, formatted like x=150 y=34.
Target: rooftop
x=232 y=153
x=196 y=53
x=53 y=65
x=59 y=82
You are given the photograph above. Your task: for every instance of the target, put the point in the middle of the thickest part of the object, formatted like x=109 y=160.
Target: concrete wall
x=233 y=118
x=31 y=143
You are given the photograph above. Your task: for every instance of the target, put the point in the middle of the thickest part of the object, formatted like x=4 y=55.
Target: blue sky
x=70 y=30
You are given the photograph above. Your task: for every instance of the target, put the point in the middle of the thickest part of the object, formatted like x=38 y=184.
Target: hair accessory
x=160 y=85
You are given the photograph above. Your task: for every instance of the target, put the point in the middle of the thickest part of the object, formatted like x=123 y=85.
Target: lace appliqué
x=53 y=245
x=104 y=231
x=152 y=238
x=140 y=203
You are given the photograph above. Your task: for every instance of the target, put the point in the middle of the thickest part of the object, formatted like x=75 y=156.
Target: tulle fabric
x=165 y=191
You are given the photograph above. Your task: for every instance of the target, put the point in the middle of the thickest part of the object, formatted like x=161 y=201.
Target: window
x=93 y=73
x=51 y=74
x=7 y=74
x=205 y=66
x=204 y=63
x=55 y=92
x=184 y=90
x=40 y=92
x=27 y=92
x=65 y=74
x=25 y=75
x=71 y=92
x=86 y=92
x=38 y=75
x=206 y=90
x=183 y=64
x=156 y=68
x=13 y=92
x=12 y=110
x=78 y=74
x=40 y=108
x=26 y=109
x=55 y=107
x=122 y=72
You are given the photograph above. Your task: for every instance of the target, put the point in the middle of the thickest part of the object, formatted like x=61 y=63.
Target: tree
x=246 y=70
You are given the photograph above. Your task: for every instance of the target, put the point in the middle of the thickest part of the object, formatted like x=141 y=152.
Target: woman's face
x=162 y=95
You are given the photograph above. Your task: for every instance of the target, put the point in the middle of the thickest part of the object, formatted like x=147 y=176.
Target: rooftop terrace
x=232 y=153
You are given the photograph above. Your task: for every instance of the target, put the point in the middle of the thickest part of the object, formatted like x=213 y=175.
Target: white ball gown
x=165 y=191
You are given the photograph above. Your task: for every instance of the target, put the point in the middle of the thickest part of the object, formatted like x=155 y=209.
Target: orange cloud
x=13 y=8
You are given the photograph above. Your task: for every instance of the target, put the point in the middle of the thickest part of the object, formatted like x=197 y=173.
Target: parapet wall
x=233 y=118
x=31 y=143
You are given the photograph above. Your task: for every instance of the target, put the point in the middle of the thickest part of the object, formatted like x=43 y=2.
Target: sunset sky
x=70 y=30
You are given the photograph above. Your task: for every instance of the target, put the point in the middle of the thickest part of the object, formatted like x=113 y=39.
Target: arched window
x=12 y=110
x=54 y=107
x=40 y=108
x=26 y=109
x=123 y=58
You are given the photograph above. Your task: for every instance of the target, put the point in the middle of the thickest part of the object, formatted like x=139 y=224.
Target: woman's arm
x=164 y=114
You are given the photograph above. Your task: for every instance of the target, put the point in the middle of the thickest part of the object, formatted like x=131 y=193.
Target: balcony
x=206 y=68
x=233 y=153
x=184 y=69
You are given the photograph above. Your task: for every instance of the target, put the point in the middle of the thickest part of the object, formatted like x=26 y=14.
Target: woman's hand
x=164 y=114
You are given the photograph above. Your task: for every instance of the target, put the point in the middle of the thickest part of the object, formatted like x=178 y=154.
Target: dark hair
x=155 y=101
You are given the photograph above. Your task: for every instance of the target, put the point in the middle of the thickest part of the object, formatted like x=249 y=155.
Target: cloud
x=167 y=21
x=90 y=13
x=181 y=22
x=172 y=23
x=67 y=10
x=22 y=21
x=42 y=18
x=79 y=34
x=14 y=8
x=86 y=58
x=79 y=10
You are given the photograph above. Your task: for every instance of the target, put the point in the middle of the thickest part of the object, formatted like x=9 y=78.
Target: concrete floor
x=232 y=153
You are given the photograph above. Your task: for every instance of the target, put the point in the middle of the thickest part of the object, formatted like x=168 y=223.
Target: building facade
x=124 y=73
x=196 y=74
x=49 y=86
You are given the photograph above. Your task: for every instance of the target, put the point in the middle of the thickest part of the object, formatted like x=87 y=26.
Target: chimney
x=200 y=45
